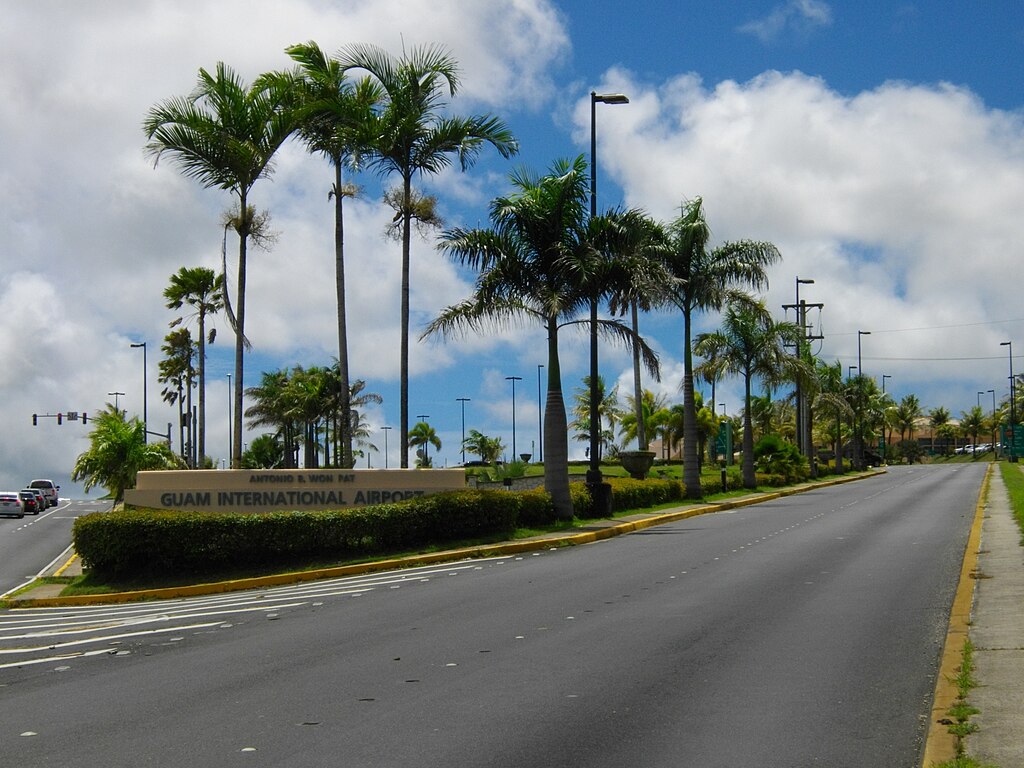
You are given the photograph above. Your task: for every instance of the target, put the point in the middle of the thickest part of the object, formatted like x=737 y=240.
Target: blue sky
x=879 y=145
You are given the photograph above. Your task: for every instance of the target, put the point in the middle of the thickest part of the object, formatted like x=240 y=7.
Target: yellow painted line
x=940 y=744
x=66 y=565
x=446 y=556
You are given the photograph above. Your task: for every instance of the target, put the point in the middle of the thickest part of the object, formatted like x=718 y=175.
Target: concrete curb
x=598 y=531
x=940 y=744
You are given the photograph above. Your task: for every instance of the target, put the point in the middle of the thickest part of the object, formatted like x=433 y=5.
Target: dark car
x=30 y=502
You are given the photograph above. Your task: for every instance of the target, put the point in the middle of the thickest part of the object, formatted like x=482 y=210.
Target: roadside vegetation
x=1013 y=478
x=960 y=714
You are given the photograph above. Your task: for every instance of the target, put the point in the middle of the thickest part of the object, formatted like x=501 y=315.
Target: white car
x=11 y=504
x=49 y=489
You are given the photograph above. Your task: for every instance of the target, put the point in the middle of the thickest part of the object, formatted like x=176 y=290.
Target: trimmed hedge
x=146 y=542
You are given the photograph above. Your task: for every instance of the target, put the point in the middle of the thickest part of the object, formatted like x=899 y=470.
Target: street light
x=116 y=394
x=386 y=430
x=145 y=414
x=860 y=404
x=231 y=437
x=540 y=420
x=514 y=379
x=599 y=492
x=1013 y=406
x=980 y=393
x=885 y=439
x=993 y=393
x=463 y=400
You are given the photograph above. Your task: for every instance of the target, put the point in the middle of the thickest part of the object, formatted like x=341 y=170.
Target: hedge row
x=139 y=542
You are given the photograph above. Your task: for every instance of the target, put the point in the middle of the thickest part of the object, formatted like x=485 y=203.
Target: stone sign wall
x=238 y=490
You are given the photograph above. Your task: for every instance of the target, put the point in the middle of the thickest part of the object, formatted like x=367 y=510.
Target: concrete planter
x=637 y=463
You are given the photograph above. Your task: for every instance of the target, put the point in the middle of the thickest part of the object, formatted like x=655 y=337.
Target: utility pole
x=804 y=440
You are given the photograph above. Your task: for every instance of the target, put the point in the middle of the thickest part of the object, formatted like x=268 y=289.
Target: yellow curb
x=940 y=744
x=447 y=556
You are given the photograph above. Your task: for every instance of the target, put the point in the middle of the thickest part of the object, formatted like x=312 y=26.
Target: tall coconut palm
x=830 y=402
x=608 y=412
x=413 y=137
x=203 y=290
x=334 y=117
x=752 y=344
x=536 y=263
x=224 y=134
x=706 y=279
x=178 y=373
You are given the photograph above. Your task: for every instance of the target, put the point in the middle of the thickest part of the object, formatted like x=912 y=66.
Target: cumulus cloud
x=900 y=201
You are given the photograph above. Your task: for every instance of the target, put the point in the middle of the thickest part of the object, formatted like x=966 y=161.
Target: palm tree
x=607 y=411
x=651 y=410
x=271 y=408
x=422 y=435
x=906 y=415
x=413 y=137
x=937 y=419
x=536 y=263
x=118 y=451
x=224 y=134
x=706 y=280
x=972 y=423
x=752 y=344
x=203 y=290
x=830 y=401
x=178 y=373
x=489 y=449
x=335 y=115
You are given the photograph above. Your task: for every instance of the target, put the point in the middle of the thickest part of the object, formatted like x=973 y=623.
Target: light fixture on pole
x=386 y=430
x=980 y=393
x=860 y=403
x=600 y=493
x=1010 y=433
x=145 y=414
x=463 y=400
x=514 y=379
x=993 y=393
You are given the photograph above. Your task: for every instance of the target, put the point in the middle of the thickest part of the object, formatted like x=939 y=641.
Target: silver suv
x=49 y=490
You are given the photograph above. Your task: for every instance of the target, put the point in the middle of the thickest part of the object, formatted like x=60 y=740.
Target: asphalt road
x=799 y=632
x=29 y=544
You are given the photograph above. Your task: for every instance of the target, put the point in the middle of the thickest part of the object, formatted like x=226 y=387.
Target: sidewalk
x=997 y=632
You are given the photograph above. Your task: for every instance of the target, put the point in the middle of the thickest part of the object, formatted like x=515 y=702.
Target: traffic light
x=85 y=417
x=59 y=417
x=35 y=420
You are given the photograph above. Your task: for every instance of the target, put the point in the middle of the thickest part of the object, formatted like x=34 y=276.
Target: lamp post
x=116 y=394
x=514 y=379
x=145 y=414
x=540 y=420
x=993 y=393
x=1013 y=406
x=599 y=492
x=860 y=403
x=463 y=400
x=386 y=430
x=231 y=437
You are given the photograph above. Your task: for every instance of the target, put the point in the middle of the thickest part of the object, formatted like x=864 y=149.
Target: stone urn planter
x=637 y=463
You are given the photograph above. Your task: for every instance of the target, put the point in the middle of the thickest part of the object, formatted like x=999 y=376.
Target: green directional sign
x=723 y=444
x=1012 y=439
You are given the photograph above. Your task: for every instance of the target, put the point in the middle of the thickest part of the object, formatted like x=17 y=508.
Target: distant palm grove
x=542 y=259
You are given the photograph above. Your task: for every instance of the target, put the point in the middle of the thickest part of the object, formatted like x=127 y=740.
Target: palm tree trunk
x=345 y=422
x=691 y=465
x=638 y=393
x=749 y=476
x=202 y=385
x=404 y=368
x=556 y=433
x=243 y=241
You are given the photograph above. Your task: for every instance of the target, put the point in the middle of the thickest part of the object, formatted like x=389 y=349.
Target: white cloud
x=798 y=16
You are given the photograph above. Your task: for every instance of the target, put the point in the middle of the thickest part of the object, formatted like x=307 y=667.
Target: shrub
x=776 y=457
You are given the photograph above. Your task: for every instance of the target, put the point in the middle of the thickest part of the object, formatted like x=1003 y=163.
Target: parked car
x=49 y=490
x=29 y=501
x=11 y=504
